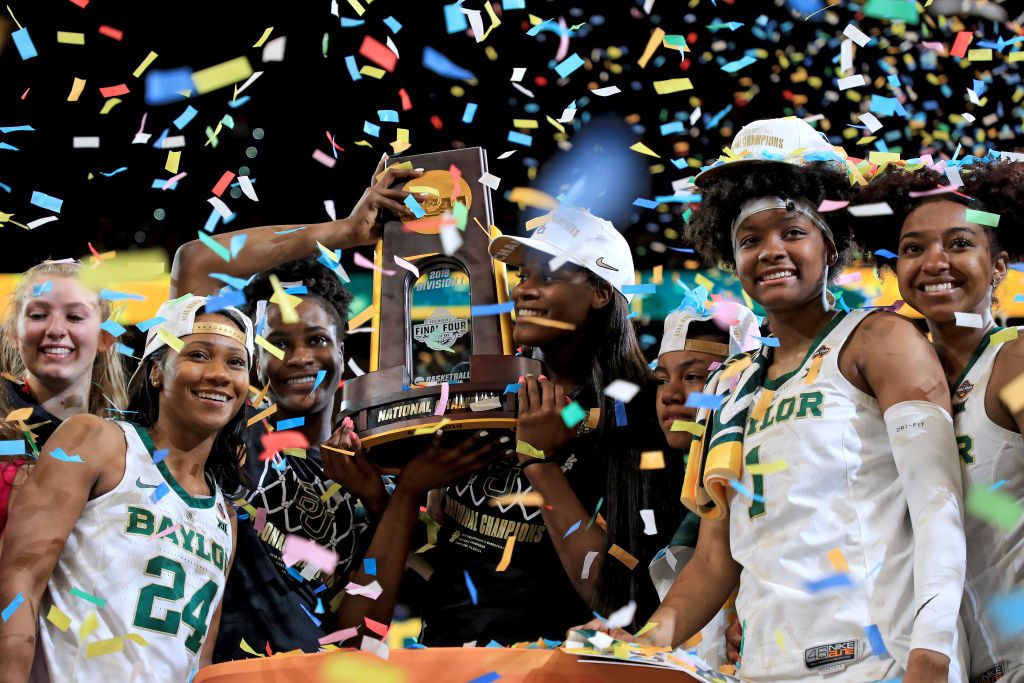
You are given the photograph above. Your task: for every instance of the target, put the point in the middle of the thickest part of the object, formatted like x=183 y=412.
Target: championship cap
x=788 y=140
x=180 y=320
x=578 y=237
x=740 y=320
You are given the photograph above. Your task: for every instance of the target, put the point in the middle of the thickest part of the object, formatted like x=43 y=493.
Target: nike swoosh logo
x=600 y=262
x=138 y=482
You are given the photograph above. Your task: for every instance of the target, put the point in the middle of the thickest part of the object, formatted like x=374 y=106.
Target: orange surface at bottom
x=434 y=665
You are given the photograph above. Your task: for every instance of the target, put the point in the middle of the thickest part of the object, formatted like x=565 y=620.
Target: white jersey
x=135 y=604
x=991 y=456
x=835 y=511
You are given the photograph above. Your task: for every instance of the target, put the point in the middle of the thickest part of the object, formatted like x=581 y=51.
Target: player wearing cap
x=949 y=265
x=828 y=478
x=572 y=313
x=118 y=549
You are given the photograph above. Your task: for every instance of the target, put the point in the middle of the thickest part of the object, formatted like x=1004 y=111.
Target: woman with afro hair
x=805 y=469
x=951 y=256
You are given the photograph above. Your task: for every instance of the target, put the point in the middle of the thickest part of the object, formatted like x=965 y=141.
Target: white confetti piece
x=854 y=81
x=220 y=206
x=401 y=262
x=622 y=617
x=451 y=240
x=523 y=90
x=490 y=180
x=518 y=73
x=968 y=319
x=650 y=528
x=142 y=138
x=86 y=142
x=856 y=35
x=587 y=561
x=506 y=155
x=329 y=208
x=605 y=92
x=358 y=371
x=568 y=115
x=246 y=185
x=875 y=209
x=871 y=121
x=273 y=51
x=622 y=390
x=173 y=142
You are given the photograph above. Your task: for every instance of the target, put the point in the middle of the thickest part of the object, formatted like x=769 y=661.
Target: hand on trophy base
x=439 y=465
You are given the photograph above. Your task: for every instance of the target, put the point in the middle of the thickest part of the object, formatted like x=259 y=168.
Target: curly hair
x=995 y=187
x=710 y=232
x=321 y=284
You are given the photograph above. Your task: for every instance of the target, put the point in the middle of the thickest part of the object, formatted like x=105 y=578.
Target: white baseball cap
x=788 y=140
x=578 y=237
x=741 y=322
x=180 y=320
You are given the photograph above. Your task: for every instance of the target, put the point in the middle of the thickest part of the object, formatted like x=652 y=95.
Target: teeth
x=941 y=287
x=213 y=397
x=524 y=313
x=56 y=351
x=308 y=379
x=776 y=276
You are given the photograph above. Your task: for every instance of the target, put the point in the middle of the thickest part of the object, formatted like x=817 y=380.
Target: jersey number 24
x=195 y=614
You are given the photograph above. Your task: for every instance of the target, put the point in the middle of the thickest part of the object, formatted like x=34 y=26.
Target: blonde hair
x=109 y=380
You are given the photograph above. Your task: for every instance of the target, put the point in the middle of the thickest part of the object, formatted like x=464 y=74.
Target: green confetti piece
x=214 y=246
x=998 y=508
x=573 y=414
x=88 y=597
x=982 y=218
x=460 y=213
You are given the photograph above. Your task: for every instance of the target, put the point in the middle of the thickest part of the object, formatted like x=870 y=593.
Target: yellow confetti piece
x=173 y=159
x=266 y=34
x=693 y=642
x=170 y=339
x=222 y=75
x=506 y=556
x=644 y=149
x=534 y=198
x=685 y=426
x=623 y=556
x=656 y=37
x=531 y=499
x=736 y=367
x=144 y=65
x=524 y=123
x=838 y=560
x=527 y=449
x=535 y=223
x=19 y=414
x=329 y=493
x=556 y=124
x=882 y=158
x=704 y=281
x=372 y=72
x=672 y=85
x=90 y=624
x=285 y=302
x=546 y=322
x=329 y=253
x=357 y=7
x=58 y=618
x=647 y=627
x=1000 y=337
x=979 y=55
x=762 y=405
x=768 y=467
x=1012 y=394
x=295 y=452
x=70 y=38
x=110 y=104
x=247 y=648
x=658 y=276
x=336 y=450
x=137 y=639
x=360 y=667
x=1017 y=56
x=780 y=640
x=270 y=348
x=652 y=460
x=361 y=317
x=431 y=428
x=265 y=413
x=812 y=372
x=104 y=647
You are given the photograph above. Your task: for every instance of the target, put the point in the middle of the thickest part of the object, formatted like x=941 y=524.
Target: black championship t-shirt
x=265 y=601
x=43 y=424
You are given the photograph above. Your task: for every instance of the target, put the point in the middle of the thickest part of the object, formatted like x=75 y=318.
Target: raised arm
x=265 y=247
x=48 y=508
x=904 y=373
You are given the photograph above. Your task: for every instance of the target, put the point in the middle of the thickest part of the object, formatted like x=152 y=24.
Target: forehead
x=937 y=216
x=772 y=218
x=311 y=314
x=217 y=341
x=63 y=291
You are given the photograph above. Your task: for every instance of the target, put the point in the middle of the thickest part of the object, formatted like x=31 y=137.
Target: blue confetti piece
x=290 y=423
x=745 y=491
x=5 y=187
x=1007 y=611
x=163 y=85
x=233 y=282
x=885 y=253
x=470 y=587
x=26 y=48
x=159 y=455
x=280 y=465
x=520 y=138
x=236 y=244
x=185 y=117
x=235 y=104
x=111 y=295
x=488 y=677
x=454 y=20
x=414 y=206
x=105 y=174
x=4 y=145
x=573 y=528
x=45 y=201
x=645 y=203
x=39 y=290
x=14 y=605
x=387 y=115
x=513 y=4
x=353 y=68
x=211 y=221
x=164 y=184
x=371 y=129
x=672 y=127
x=319 y=606
x=699 y=400
x=511 y=388
x=442 y=66
x=469 y=113
x=682 y=250
x=768 y=341
x=113 y=328
x=997 y=485
x=310 y=615
x=145 y=325
x=831 y=581
x=733 y=67
x=320 y=374
x=568 y=65
x=491 y=309
x=59 y=454
x=351 y=23
x=295 y=575
x=123 y=349
x=648 y=288
x=162 y=490
x=12 y=447
x=875 y=639
x=370 y=566
x=620 y=414
x=393 y=24
x=228 y=298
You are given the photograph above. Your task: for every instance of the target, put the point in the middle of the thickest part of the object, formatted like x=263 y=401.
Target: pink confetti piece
x=456 y=177
x=848 y=278
x=931 y=45
x=261 y=519
x=166 y=532
x=408 y=266
x=297 y=548
x=377 y=627
x=938 y=190
x=324 y=159
x=371 y=590
x=339 y=636
x=831 y=205
x=364 y=262
x=442 y=403
x=173 y=180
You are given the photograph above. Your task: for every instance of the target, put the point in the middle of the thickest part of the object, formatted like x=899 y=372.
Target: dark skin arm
x=264 y=248
x=49 y=506
x=393 y=536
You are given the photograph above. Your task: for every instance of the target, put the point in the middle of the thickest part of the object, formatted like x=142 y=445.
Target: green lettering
x=810 y=403
x=785 y=409
x=769 y=417
x=201 y=550
x=140 y=521
x=187 y=536
x=218 y=556
x=965 y=445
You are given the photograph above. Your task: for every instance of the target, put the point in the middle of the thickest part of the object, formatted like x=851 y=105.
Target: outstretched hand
x=351 y=469
x=366 y=222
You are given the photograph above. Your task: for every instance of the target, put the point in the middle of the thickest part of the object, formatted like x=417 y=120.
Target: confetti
x=8 y=611
x=996 y=507
x=623 y=556
x=652 y=460
x=699 y=400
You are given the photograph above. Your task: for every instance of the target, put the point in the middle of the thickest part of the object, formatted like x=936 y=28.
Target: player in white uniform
x=949 y=264
x=833 y=458
x=119 y=546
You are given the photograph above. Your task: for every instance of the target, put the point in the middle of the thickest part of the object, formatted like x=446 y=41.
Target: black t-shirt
x=20 y=396
x=265 y=601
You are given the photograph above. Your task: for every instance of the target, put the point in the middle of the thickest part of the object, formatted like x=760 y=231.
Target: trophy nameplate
x=423 y=335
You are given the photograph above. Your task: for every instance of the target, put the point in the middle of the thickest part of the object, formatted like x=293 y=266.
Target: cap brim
x=516 y=255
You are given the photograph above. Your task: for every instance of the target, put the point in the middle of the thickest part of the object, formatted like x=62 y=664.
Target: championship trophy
x=425 y=345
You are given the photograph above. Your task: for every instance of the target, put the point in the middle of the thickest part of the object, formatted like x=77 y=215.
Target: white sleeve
x=924 y=448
